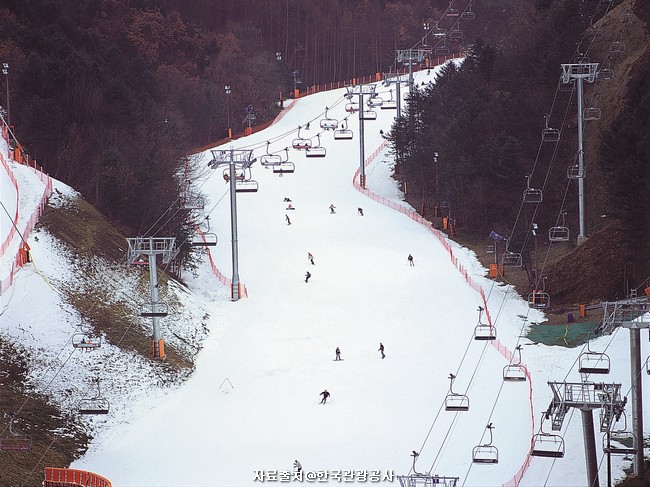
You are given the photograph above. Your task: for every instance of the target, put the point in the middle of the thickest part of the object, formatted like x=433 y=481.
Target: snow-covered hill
x=251 y=407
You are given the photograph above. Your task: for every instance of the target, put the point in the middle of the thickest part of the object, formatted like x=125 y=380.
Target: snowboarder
x=410 y=259
x=310 y=258
x=287 y=200
x=338 y=354
x=288 y=221
x=290 y=207
x=381 y=349
x=332 y=208
x=360 y=211
x=297 y=467
x=325 y=395
x=307 y=276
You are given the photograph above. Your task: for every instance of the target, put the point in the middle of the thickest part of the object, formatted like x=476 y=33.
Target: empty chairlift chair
x=246 y=186
x=515 y=371
x=468 y=14
x=484 y=331
x=368 y=115
x=442 y=49
x=451 y=11
x=559 y=233
x=455 y=32
x=591 y=113
x=617 y=46
x=550 y=134
x=532 y=195
x=539 y=299
x=439 y=32
x=285 y=165
x=546 y=445
x=486 y=453
x=593 y=362
x=455 y=401
x=389 y=104
x=94 y=405
x=343 y=133
x=204 y=240
x=620 y=441
x=16 y=442
x=510 y=259
x=154 y=310
x=328 y=123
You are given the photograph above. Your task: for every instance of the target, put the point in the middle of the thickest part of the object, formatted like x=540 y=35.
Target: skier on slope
x=332 y=208
x=307 y=276
x=338 y=354
x=325 y=395
x=381 y=349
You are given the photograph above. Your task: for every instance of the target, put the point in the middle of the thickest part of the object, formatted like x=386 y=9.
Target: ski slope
x=252 y=405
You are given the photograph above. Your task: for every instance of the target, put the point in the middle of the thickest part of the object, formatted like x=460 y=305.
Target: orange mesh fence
x=442 y=239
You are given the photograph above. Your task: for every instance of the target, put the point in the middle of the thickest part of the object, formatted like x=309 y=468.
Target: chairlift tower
x=152 y=247
x=242 y=159
x=580 y=72
x=360 y=91
x=631 y=313
x=586 y=396
x=397 y=81
x=410 y=56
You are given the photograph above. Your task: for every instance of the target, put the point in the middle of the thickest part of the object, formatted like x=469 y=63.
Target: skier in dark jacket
x=325 y=395
x=381 y=349
x=307 y=276
x=338 y=354
x=410 y=259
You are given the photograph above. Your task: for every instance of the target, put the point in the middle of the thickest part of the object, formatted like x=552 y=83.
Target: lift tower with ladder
x=586 y=396
x=360 y=91
x=631 y=313
x=580 y=72
x=237 y=160
x=152 y=247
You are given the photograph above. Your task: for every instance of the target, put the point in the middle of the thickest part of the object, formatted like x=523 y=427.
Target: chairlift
x=575 y=172
x=566 y=86
x=605 y=71
x=85 y=341
x=546 y=445
x=316 y=150
x=439 y=32
x=468 y=14
x=486 y=453
x=154 y=310
x=539 y=299
x=515 y=371
x=300 y=143
x=591 y=113
x=647 y=365
x=328 y=123
x=284 y=166
x=191 y=201
x=343 y=133
x=620 y=441
x=269 y=159
x=617 y=46
x=352 y=107
x=368 y=115
x=550 y=134
x=240 y=174
x=204 y=240
x=559 y=233
x=532 y=195
x=511 y=259
x=593 y=362
x=389 y=104
x=375 y=101
x=484 y=331
x=455 y=401
x=443 y=49
x=246 y=186
x=15 y=441
x=94 y=405
x=451 y=11
x=455 y=32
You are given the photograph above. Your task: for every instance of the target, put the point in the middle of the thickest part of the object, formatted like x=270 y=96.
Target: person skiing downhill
x=332 y=208
x=310 y=258
x=338 y=354
x=297 y=466
x=381 y=349
x=288 y=221
x=325 y=395
x=307 y=276
x=410 y=259
x=360 y=211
